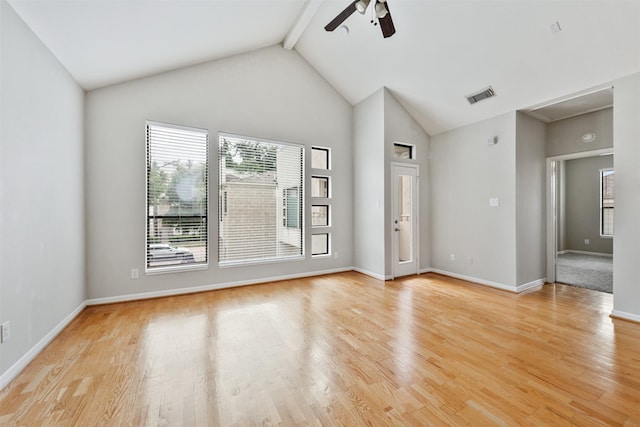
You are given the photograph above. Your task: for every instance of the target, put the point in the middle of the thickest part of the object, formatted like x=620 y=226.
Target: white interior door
x=405 y=219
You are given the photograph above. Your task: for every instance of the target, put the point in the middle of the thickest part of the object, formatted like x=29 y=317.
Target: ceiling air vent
x=479 y=96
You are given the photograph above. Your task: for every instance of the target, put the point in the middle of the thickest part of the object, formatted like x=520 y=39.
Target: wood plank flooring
x=342 y=349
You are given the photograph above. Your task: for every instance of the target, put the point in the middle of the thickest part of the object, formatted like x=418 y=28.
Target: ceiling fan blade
x=386 y=23
x=342 y=16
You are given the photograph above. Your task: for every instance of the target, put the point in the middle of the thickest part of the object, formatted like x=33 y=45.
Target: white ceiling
x=442 y=50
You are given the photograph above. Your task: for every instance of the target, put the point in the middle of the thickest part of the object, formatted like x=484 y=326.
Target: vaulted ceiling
x=442 y=50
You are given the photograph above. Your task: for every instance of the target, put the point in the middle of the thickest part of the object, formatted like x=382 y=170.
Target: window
x=319 y=186
x=403 y=151
x=320 y=244
x=607 y=179
x=261 y=196
x=319 y=215
x=177 y=179
x=320 y=158
x=321 y=203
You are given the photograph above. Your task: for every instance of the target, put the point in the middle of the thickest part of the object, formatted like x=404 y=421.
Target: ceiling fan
x=380 y=10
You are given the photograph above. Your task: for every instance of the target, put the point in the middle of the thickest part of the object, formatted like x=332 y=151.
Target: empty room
x=396 y=187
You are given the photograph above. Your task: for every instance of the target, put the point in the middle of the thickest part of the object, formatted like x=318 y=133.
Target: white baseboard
x=497 y=285
x=571 y=251
x=625 y=316
x=516 y=289
x=213 y=287
x=22 y=363
x=531 y=285
x=371 y=273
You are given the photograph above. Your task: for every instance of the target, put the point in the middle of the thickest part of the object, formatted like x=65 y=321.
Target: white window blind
x=177 y=191
x=261 y=201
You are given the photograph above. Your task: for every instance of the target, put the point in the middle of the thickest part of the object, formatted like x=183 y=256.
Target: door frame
x=552 y=208
x=415 y=207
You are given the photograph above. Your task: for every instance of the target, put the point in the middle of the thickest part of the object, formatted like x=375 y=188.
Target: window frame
x=321 y=205
x=328 y=245
x=327 y=179
x=411 y=147
x=302 y=200
x=174 y=268
x=601 y=199
x=327 y=152
x=325 y=174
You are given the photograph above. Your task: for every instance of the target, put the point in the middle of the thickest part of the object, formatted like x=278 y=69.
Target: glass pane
x=319 y=215
x=607 y=201
x=177 y=179
x=292 y=213
x=402 y=151
x=319 y=158
x=320 y=244
x=404 y=223
x=319 y=186
x=261 y=197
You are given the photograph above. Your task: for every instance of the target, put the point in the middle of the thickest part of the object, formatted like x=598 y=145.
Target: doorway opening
x=582 y=210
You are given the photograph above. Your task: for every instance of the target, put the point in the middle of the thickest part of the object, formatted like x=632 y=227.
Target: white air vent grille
x=479 y=96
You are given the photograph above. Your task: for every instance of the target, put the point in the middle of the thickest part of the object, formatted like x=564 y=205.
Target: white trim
x=552 y=209
x=22 y=363
x=212 y=287
x=575 y=95
x=531 y=285
x=571 y=251
x=372 y=274
x=582 y=154
x=478 y=281
x=625 y=316
x=517 y=289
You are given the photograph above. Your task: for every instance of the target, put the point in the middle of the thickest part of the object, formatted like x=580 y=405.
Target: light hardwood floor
x=342 y=349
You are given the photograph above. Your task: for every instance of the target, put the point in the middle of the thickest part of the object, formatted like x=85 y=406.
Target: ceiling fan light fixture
x=381 y=10
x=362 y=6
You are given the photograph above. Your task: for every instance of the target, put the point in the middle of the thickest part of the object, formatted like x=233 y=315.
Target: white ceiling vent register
x=479 y=96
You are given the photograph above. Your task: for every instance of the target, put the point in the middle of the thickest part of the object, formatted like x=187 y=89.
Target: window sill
x=175 y=269
x=246 y=263
x=320 y=256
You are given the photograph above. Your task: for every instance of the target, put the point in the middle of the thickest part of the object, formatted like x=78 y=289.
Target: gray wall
x=465 y=174
x=564 y=136
x=530 y=199
x=626 y=262
x=399 y=126
x=270 y=93
x=380 y=121
x=368 y=185
x=42 y=264
x=582 y=204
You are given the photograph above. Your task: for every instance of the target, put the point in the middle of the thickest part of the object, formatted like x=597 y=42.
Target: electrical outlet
x=5 y=331
x=335 y=254
x=586 y=241
x=469 y=260
x=135 y=273
x=452 y=257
